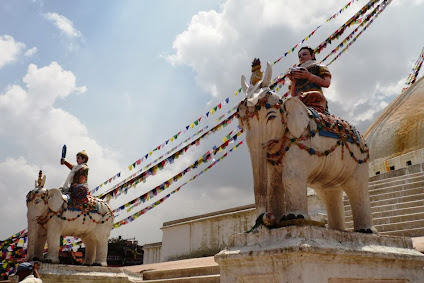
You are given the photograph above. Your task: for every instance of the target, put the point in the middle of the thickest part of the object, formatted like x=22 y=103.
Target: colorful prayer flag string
x=150 y=207
x=415 y=71
x=171 y=139
x=147 y=170
x=383 y=6
x=313 y=32
x=280 y=80
x=369 y=17
x=158 y=189
x=347 y=24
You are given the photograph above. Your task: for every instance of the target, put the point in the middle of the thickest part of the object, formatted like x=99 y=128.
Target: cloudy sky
x=120 y=78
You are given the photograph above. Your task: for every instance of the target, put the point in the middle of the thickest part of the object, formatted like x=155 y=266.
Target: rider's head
x=306 y=53
x=82 y=157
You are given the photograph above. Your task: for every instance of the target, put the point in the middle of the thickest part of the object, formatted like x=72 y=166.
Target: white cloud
x=9 y=50
x=37 y=130
x=31 y=52
x=409 y=2
x=219 y=46
x=63 y=24
x=49 y=83
x=216 y=44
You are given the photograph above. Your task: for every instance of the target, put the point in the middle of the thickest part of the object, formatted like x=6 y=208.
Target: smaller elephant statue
x=51 y=215
x=292 y=148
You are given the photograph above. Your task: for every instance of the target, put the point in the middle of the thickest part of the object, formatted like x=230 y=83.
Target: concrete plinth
x=314 y=254
x=73 y=273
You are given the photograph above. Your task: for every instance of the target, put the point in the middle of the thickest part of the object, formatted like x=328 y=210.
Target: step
x=391 y=179
x=414 y=232
x=389 y=183
x=391 y=207
x=403 y=198
x=393 y=212
x=181 y=272
x=194 y=279
x=414 y=224
x=406 y=191
x=399 y=173
x=397 y=187
x=394 y=219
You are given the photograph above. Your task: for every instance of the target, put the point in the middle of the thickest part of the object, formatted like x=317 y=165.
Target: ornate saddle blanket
x=90 y=204
x=334 y=127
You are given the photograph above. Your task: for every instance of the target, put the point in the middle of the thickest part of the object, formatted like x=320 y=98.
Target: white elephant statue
x=50 y=216
x=288 y=155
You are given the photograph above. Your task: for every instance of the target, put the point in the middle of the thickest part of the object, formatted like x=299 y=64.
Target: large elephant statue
x=292 y=148
x=50 y=215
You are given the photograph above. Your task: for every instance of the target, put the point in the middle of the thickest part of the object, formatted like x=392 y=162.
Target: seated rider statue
x=307 y=80
x=76 y=182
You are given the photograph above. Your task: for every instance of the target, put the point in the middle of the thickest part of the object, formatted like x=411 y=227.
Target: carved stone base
x=73 y=273
x=312 y=254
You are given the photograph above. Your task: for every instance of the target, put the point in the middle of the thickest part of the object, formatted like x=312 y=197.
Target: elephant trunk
x=32 y=232
x=36 y=240
x=258 y=158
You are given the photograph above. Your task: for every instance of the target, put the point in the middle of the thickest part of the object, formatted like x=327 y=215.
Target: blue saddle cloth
x=334 y=127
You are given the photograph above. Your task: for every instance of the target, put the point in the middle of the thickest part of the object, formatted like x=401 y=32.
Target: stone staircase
x=397 y=203
x=202 y=270
x=204 y=274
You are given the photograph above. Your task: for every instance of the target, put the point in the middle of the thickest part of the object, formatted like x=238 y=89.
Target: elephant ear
x=54 y=199
x=296 y=116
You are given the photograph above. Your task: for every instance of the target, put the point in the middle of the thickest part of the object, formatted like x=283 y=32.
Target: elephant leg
x=333 y=200
x=53 y=242
x=101 y=251
x=356 y=189
x=41 y=242
x=275 y=197
x=90 y=250
x=294 y=179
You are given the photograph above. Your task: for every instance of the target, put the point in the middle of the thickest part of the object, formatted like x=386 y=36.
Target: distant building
x=124 y=252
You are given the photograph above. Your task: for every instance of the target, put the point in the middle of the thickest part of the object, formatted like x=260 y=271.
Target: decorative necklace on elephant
x=87 y=209
x=327 y=125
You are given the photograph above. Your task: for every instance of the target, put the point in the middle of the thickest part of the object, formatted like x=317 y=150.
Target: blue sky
x=119 y=78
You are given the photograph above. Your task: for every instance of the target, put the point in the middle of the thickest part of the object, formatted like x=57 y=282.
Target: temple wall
x=204 y=235
x=381 y=166
x=207 y=234
x=152 y=253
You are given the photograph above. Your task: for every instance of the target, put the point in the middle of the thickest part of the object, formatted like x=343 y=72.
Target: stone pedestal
x=316 y=255
x=56 y=273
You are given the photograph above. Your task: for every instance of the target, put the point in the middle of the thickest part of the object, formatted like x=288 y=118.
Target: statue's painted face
x=80 y=160
x=304 y=55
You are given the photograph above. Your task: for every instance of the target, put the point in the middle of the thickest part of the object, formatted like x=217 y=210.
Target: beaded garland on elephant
x=327 y=125
x=245 y=112
x=90 y=205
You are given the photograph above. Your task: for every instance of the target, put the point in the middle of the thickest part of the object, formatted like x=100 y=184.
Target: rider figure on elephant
x=77 y=178
x=307 y=80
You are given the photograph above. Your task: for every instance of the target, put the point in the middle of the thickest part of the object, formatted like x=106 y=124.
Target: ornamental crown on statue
x=257 y=74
